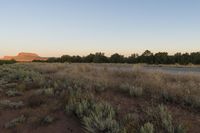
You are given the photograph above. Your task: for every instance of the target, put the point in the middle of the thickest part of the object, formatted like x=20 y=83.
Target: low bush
x=130 y=123
x=99 y=87
x=7 y=62
x=147 y=128
x=166 y=119
x=15 y=122
x=9 y=104
x=131 y=90
x=96 y=117
x=135 y=91
x=13 y=93
x=161 y=118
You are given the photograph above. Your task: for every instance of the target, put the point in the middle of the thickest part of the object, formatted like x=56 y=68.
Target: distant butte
x=25 y=57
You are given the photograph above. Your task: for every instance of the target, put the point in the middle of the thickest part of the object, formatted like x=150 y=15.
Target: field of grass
x=93 y=98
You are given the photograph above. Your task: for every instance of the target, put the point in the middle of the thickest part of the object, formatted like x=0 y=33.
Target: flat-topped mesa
x=22 y=54
x=25 y=57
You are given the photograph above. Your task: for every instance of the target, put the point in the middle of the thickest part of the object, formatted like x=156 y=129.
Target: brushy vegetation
x=102 y=98
x=15 y=122
x=131 y=90
x=12 y=105
x=2 y=62
x=95 y=116
x=146 y=57
x=147 y=128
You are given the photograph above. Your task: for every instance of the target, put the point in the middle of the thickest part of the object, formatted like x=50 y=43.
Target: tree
x=195 y=57
x=65 y=58
x=147 y=53
x=53 y=59
x=76 y=59
x=116 y=58
x=132 y=58
x=100 y=58
x=161 y=58
x=146 y=57
x=89 y=58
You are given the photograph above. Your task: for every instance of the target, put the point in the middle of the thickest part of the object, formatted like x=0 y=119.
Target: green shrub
x=45 y=91
x=147 y=128
x=7 y=62
x=101 y=119
x=15 y=122
x=161 y=118
x=12 y=93
x=9 y=104
x=130 y=123
x=20 y=73
x=95 y=116
x=135 y=91
x=166 y=119
x=125 y=87
x=180 y=129
x=99 y=87
x=21 y=87
x=131 y=90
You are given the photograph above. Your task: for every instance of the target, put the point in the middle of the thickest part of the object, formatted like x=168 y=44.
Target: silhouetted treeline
x=147 y=57
x=7 y=62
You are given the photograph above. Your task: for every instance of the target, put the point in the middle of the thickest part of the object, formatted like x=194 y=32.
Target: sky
x=80 y=27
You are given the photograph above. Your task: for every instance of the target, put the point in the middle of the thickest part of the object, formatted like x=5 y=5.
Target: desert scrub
x=147 y=128
x=45 y=91
x=130 y=123
x=21 y=73
x=162 y=120
x=166 y=119
x=131 y=90
x=95 y=116
x=100 y=87
x=3 y=82
x=136 y=91
x=15 y=122
x=101 y=119
x=77 y=100
x=9 y=104
x=12 y=93
x=192 y=101
x=181 y=99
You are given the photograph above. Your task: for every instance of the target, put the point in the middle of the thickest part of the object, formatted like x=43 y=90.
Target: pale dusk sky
x=80 y=27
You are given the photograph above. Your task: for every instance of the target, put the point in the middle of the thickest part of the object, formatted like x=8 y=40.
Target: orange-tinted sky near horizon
x=57 y=27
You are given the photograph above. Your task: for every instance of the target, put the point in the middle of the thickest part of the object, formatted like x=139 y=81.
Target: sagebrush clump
x=147 y=128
